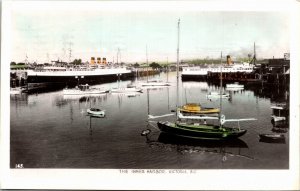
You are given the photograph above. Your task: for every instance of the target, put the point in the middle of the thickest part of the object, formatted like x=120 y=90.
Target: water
x=49 y=130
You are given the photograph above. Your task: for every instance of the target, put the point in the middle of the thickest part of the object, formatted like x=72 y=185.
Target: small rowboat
x=272 y=138
x=96 y=112
x=197 y=109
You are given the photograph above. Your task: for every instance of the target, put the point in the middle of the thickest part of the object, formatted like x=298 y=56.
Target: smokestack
x=92 y=60
x=98 y=60
x=228 y=60
x=103 y=60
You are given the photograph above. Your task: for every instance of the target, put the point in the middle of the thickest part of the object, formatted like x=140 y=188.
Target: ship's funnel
x=228 y=60
x=92 y=60
x=98 y=60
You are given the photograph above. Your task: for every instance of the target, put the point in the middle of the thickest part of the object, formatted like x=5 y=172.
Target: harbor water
x=50 y=130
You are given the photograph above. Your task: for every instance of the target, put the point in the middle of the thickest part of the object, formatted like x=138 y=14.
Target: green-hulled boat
x=200 y=131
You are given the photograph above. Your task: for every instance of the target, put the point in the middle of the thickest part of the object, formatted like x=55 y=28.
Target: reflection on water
x=183 y=145
x=50 y=130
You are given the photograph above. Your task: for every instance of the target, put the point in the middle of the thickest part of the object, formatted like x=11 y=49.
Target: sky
x=47 y=31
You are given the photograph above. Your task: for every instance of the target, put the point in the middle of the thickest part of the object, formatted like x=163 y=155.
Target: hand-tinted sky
x=45 y=31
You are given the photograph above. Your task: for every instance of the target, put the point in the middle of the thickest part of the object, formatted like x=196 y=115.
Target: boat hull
x=278 y=118
x=205 y=132
x=126 y=90
x=269 y=138
x=192 y=108
x=154 y=84
x=225 y=96
x=96 y=113
x=74 y=80
x=168 y=138
x=79 y=92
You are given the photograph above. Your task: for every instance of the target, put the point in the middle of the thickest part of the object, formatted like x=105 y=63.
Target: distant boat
x=270 y=138
x=15 y=91
x=204 y=70
x=83 y=90
x=155 y=82
x=279 y=130
x=277 y=110
x=234 y=87
x=96 y=112
x=128 y=89
x=217 y=95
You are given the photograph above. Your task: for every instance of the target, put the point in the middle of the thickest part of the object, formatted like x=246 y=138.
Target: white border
x=113 y=179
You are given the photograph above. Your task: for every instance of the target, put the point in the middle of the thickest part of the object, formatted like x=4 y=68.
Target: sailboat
x=153 y=82
x=200 y=129
x=218 y=95
x=129 y=89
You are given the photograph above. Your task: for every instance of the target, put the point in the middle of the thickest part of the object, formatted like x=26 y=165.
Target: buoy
x=145 y=132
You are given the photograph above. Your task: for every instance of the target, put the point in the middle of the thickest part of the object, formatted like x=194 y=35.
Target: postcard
x=150 y=95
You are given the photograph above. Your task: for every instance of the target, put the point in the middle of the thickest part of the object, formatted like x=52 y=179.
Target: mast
x=254 y=59
x=147 y=62
x=221 y=92
x=177 y=70
x=167 y=69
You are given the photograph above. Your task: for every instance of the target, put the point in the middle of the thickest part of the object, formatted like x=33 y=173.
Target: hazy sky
x=44 y=32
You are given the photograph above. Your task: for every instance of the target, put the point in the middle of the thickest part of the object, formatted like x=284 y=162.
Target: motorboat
x=277 y=113
x=83 y=90
x=96 y=112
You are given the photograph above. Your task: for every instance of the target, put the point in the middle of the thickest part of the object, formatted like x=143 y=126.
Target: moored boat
x=198 y=131
x=272 y=138
x=91 y=75
x=17 y=90
x=217 y=95
x=83 y=90
x=198 y=109
x=277 y=111
x=96 y=112
x=235 y=85
x=128 y=89
x=155 y=82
